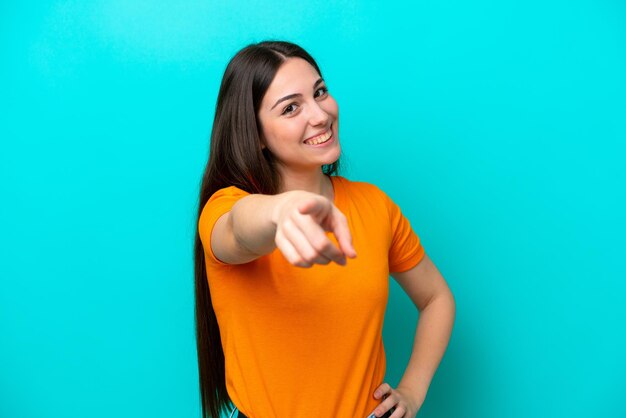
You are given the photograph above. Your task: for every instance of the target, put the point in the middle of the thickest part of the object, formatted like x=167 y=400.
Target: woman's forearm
x=433 y=332
x=251 y=222
x=292 y=221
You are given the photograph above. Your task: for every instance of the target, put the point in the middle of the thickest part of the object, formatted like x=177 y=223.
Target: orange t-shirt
x=307 y=342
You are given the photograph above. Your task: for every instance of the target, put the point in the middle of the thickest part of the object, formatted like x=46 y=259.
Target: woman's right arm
x=294 y=221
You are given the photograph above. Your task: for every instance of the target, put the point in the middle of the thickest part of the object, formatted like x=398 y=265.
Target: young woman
x=293 y=261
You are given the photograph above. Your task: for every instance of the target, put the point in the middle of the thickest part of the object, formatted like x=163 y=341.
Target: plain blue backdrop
x=498 y=127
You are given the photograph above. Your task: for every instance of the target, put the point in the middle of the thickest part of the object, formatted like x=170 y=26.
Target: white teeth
x=320 y=139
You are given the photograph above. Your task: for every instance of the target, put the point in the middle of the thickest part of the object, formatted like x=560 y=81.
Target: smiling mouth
x=320 y=139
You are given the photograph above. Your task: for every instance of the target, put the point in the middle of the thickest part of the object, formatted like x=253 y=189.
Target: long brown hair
x=236 y=158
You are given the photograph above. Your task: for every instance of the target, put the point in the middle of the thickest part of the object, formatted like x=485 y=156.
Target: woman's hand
x=404 y=401
x=301 y=219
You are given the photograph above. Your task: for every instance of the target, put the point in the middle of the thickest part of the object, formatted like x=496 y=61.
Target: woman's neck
x=314 y=182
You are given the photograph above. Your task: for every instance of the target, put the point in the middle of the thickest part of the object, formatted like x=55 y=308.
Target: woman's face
x=299 y=118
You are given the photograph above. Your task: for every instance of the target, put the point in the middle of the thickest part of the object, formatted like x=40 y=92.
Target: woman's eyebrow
x=291 y=96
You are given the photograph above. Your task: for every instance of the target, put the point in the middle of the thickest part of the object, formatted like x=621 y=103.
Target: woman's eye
x=321 y=91
x=289 y=109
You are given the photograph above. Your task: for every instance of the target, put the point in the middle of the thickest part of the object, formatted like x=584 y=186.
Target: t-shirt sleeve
x=405 y=251
x=218 y=204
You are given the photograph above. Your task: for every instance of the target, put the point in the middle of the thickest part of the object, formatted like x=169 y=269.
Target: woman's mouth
x=320 y=139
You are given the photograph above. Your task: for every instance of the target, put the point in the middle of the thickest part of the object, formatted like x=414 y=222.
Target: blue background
x=498 y=127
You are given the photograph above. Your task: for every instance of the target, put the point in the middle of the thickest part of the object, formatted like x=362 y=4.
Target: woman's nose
x=318 y=116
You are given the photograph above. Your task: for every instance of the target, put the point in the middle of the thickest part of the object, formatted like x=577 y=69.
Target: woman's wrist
x=415 y=391
x=279 y=202
x=252 y=223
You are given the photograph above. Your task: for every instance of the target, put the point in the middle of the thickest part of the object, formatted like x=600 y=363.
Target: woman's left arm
x=431 y=295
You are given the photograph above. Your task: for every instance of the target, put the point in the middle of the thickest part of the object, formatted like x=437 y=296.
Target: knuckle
x=310 y=255
x=324 y=261
x=321 y=243
x=287 y=223
x=321 y=259
x=298 y=261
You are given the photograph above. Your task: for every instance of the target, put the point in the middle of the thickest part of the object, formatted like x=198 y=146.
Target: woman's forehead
x=295 y=76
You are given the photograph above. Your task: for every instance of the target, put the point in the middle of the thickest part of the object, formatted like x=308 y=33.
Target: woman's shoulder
x=222 y=198
x=228 y=191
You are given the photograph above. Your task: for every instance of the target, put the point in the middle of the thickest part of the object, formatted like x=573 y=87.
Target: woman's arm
x=431 y=295
x=293 y=221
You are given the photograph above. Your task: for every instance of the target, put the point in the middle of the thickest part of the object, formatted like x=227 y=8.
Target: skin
x=287 y=124
x=295 y=221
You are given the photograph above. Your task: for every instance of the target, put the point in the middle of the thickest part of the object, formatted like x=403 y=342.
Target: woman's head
x=298 y=119
x=252 y=141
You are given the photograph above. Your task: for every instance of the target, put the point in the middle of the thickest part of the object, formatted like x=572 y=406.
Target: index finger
x=314 y=234
x=341 y=230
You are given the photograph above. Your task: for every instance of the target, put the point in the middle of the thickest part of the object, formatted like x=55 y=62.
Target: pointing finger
x=318 y=240
x=301 y=241
x=289 y=251
x=342 y=231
